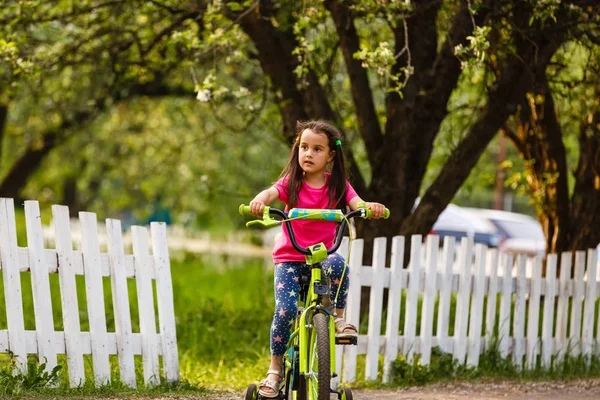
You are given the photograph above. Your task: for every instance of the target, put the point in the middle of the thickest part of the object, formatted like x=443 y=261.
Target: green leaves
x=474 y=55
x=13 y=381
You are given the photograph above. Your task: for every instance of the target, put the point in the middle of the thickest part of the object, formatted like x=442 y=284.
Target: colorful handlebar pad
x=316 y=214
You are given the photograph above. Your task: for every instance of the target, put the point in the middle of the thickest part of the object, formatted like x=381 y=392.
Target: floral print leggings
x=287 y=288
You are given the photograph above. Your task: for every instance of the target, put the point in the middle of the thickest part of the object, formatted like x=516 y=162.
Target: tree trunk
x=538 y=138
x=17 y=177
x=3 y=119
x=297 y=102
x=585 y=203
x=25 y=166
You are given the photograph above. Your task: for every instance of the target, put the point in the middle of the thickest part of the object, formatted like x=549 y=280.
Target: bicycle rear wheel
x=319 y=368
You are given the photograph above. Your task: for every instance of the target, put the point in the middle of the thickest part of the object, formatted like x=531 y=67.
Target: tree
x=386 y=72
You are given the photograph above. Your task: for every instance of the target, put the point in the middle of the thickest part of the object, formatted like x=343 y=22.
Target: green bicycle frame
x=306 y=317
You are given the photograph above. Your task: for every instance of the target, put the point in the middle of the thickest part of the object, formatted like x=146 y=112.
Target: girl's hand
x=256 y=208
x=377 y=209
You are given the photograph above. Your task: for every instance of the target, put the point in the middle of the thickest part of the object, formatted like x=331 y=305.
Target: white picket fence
x=472 y=276
x=89 y=261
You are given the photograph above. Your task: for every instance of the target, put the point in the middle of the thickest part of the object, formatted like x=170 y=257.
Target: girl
x=305 y=182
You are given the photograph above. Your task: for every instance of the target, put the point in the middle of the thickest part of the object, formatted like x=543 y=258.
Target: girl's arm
x=262 y=199
x=377 y=209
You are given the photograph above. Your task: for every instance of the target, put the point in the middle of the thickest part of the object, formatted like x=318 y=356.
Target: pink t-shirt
x=306 y=232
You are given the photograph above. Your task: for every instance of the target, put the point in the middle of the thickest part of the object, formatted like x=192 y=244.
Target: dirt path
x=589 y=389
x=572 y=390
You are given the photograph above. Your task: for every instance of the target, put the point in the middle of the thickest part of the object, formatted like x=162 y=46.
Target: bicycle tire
x=251 y=393
x=319 y=382
x=348 y=394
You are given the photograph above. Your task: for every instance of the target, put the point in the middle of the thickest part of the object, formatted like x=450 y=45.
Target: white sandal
x=340 y=329
x=271 y=384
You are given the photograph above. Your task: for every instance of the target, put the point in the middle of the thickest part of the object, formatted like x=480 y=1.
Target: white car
x=519 y=233
x=456 y=221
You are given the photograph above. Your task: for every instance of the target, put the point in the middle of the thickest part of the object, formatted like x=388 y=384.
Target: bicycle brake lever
x=267 y=223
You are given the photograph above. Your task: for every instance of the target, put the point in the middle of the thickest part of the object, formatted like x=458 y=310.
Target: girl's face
x=313 y=152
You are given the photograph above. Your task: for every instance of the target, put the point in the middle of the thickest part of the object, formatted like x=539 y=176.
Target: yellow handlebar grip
x=244 y=210
x=362 y=204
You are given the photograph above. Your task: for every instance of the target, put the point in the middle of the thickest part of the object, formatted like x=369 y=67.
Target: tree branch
x=368 y=122
x=167 y=31
x=63 y=17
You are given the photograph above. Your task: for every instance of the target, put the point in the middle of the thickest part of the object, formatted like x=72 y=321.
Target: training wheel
x=251 y=393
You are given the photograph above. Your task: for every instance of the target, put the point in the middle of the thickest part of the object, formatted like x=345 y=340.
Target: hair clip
x=338 y=142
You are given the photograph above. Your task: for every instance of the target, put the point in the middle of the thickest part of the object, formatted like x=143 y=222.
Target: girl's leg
x=286 y=289
x=334 y=268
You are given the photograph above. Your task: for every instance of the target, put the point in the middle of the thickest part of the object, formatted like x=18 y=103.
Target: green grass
x=223 y=320
x=492 y=366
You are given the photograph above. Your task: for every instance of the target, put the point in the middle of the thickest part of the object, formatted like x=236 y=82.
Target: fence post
x=533 y=316
x=412 y=299
x=95 y=297
x=548 y=321
x=142 y=262
x=433 y=244
x=68 y=295
x=42 y=301
x=490 y=315
x=9 y=259
x=445 y=292
x=339 y=349
x=476 y=313
x=394 y=307
x=519 y=321
x=505 y=305
x=492 y=293
x=578 y=292
x=589 y=306
x=563 y=303
x=598 y=292
x=375 y=306
x=353 y=307
x=120 y=298
x=164 y=293
x=462 y=302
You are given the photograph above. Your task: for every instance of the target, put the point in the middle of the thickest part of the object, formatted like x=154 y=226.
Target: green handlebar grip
x=362 y=204
x=244 y=210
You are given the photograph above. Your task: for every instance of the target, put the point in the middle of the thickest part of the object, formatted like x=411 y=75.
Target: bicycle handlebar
x=309 y=215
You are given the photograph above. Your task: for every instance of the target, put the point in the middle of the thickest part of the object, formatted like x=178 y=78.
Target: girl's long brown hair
x=336 y=187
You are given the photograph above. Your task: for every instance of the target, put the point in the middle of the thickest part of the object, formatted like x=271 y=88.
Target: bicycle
x=309 y=360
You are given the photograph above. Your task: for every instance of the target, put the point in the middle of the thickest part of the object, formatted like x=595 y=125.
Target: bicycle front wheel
x=318 y=380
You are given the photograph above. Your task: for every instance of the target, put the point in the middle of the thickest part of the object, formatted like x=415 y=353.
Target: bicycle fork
x=304 y=337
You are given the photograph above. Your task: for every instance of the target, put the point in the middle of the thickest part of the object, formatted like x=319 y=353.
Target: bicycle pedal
x=353 y=340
